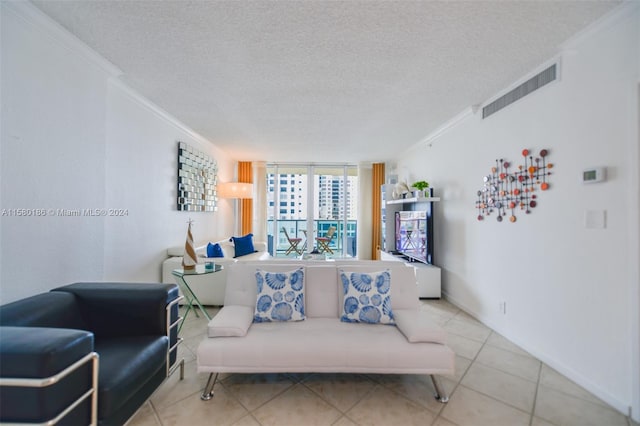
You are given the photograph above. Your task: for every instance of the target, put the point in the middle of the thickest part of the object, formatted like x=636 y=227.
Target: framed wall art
x=197 y=180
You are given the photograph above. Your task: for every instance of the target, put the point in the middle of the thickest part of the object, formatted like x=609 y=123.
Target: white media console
x=428 y=276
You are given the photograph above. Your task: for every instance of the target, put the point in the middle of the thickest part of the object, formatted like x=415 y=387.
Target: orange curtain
x=376 y=216
x=245 y=174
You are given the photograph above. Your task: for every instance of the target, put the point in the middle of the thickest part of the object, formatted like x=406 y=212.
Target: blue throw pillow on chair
x=243 y=245
x=214 y=250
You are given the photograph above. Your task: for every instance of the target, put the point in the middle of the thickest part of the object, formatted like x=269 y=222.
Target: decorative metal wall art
x=509 y=189
x=197 y=180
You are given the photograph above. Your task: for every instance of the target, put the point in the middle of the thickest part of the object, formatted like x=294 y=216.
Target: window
x=313 y=198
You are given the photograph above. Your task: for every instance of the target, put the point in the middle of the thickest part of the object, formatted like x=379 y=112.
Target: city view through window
x=311 y=209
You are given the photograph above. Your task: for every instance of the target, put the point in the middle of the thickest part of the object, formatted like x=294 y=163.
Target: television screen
x=412 y=235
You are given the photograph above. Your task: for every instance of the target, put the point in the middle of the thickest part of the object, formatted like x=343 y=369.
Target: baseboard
x=560 y=367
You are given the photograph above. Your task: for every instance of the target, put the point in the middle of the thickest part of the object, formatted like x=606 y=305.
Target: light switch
x=595 y=219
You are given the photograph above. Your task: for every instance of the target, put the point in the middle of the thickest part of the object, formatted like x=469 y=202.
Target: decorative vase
x=418 y=194
x=189 y=260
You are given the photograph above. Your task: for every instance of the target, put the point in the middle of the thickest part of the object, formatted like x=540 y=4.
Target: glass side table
x=182 y=278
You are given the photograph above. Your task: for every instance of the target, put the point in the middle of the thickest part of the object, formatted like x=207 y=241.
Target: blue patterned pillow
x=280 y=296
x=367 y=297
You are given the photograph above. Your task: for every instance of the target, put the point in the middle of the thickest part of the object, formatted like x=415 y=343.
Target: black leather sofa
x=118 y=338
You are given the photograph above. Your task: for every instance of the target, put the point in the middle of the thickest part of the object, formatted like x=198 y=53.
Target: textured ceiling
x=322 y=81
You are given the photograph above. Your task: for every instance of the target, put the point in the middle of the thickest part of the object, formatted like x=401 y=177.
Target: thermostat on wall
x=594 y=174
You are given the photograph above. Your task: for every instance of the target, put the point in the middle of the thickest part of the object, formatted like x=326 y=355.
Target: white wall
x=566 y=287
x=141 y=154
x=73 y=138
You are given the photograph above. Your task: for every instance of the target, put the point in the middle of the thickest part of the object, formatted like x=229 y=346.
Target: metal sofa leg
x=439 y=394
x=207 y=394
x=181 y=364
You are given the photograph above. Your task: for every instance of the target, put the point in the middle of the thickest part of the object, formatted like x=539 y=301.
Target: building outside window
x=326 y=196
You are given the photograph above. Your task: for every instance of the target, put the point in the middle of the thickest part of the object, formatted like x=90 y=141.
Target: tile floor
x=496 y=384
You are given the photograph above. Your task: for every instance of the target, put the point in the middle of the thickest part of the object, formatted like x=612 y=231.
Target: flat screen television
x=413 y=235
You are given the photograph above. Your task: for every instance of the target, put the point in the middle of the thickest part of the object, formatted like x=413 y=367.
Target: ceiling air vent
x=534 y=83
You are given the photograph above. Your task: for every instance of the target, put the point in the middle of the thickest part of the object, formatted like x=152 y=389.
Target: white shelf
x=413 y=200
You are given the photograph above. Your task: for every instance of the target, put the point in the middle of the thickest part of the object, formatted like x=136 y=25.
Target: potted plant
x=420 y=186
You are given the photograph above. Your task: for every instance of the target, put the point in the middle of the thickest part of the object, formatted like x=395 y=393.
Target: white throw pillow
x=367 y=297
x=280 y=296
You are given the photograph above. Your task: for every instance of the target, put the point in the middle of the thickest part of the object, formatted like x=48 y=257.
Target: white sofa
x=321 y=343
x=209 y=288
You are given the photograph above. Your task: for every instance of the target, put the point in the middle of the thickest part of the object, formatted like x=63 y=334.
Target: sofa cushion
x=37 y=353
x=252 y=257
x=214 y=250
x=53 y=309
x=141 y=307
x=241 y=281
x=367 y=297
x=280 y=296
x=403 y=280
x=321 y=292
x=243 y=245
x=417 y=326
x=126 y=364
x=323 y=345
x=178 y=251
x=231 y=321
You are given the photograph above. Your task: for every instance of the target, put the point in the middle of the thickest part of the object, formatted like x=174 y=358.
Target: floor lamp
x=235 y=190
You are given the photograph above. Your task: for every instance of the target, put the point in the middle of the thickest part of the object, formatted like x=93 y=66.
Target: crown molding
x=159 y=112
x=623 y=11
x=448 y=125
x=33 y=16
x=47 y=26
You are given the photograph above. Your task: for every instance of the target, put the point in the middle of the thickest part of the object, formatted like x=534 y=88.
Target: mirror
x=197 y=180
